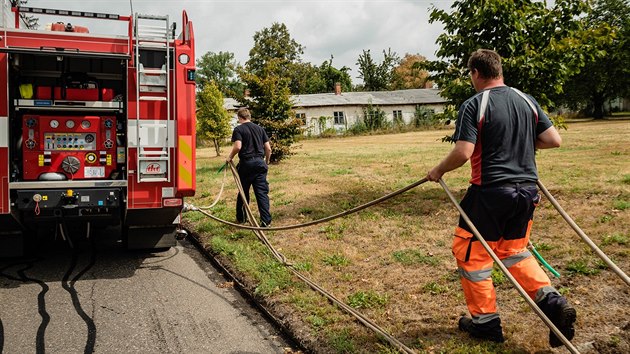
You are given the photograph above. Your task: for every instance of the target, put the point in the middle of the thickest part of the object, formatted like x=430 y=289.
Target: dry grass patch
x=393 y=261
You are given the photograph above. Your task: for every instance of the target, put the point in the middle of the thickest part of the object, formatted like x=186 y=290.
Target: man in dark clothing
x=499 y=130
x=251 y=143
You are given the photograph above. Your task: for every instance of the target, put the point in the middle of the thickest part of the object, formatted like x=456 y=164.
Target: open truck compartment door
x=95 y=129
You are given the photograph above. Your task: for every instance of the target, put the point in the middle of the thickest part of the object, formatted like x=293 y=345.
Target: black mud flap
x=11 y=244
x=160 y=237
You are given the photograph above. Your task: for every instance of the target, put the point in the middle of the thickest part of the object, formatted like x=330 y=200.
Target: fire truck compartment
x=68 y=117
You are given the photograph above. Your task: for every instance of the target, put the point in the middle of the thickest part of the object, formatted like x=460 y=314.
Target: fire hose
x=281 y=258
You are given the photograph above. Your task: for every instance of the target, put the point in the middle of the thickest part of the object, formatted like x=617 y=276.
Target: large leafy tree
x=271 y=108
x=377 y=77
x=213 y=121
x=606 y=75
x=409 y=74
x=269 y=76
x=219 y=68
x=541 y=47
x=275 y=43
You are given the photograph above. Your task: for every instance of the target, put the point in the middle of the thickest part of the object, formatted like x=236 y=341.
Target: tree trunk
x=598 y=106
x=217 y=148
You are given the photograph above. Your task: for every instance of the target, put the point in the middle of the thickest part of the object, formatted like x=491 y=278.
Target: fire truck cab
x=95 y=130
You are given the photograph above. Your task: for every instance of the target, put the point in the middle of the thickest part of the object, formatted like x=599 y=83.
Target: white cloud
x=340 y=28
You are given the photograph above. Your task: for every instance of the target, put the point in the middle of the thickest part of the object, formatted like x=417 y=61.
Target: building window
x=398 y=117
x=339 y=118
x=301 y=117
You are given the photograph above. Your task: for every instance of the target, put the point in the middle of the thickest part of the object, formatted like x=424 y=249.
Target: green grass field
x=393 y=261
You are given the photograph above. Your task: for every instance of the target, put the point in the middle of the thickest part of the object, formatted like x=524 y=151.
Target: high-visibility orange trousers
x=475 y=269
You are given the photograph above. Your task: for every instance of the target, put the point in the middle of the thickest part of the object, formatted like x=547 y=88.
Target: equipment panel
x=68 y=147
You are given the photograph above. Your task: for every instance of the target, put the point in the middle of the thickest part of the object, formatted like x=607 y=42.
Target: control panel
x=69 y=147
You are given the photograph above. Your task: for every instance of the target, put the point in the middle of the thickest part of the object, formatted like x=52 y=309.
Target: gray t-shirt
x=504 y=135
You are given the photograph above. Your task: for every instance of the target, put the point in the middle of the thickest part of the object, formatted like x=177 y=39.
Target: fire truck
x=95 y=130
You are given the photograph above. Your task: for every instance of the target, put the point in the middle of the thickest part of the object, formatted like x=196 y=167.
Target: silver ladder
x=153 y=137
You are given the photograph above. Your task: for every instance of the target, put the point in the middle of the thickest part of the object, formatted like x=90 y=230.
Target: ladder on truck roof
x=153 y=137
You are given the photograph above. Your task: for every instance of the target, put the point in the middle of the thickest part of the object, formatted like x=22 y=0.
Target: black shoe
x=490 y=330
x=562 y=315
x=264 y=224
x=563 y=318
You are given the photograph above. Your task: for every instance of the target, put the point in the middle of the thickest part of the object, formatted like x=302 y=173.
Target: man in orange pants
x=499 y=130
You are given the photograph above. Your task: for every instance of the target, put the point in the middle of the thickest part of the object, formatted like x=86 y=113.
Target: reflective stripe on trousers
x=475 y=269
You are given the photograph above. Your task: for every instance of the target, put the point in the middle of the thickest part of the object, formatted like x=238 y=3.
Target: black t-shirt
x=504 y=135
x=253 y=139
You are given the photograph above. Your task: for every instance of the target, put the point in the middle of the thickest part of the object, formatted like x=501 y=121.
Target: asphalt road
x=101 y=298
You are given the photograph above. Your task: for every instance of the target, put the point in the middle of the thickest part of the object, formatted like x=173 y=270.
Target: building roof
x=378 y=98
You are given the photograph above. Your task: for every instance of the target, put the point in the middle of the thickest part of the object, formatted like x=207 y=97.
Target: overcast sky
x=342 y=28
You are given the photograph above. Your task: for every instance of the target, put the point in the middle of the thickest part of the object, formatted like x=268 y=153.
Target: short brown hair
x=243 y=113
x=487 y=62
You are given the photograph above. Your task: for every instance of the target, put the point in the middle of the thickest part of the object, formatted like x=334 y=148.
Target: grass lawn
x=393 y=261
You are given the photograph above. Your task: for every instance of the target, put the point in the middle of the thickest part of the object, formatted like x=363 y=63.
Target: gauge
x=70 y=124
x=89 y=138
x=54 y=123
x=86 y=124
x=108 y=124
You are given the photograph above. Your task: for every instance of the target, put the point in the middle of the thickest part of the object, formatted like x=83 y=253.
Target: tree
x=219 y=68
x=314 y=79
x=270 y=75
x=271 y=108
x=409 y=74
x=331 y=76
x=607 y=75
x=213 y=121
x=376 y=77
x=541 y=47
x=275 y=43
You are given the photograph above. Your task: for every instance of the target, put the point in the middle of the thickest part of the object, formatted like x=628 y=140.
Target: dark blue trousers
x=253 y=173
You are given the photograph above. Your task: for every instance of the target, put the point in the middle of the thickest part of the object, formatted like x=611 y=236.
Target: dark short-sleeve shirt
x=504 y=135
x=252 y=137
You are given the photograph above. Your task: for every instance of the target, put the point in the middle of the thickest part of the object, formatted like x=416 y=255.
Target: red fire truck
x=95 y=130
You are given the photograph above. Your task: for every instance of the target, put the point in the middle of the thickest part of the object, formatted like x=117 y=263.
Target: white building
x=340 y=111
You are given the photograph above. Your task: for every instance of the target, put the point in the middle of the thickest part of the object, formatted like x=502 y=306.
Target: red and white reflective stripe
x=485 y=96
x=4 y=132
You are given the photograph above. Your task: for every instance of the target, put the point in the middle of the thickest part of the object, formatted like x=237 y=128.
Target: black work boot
x=490 y=330
x=562 y=314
